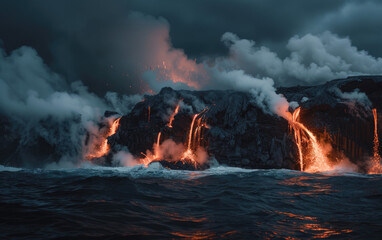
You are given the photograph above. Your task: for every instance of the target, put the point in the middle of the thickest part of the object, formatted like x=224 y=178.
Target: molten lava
x=149 y=113
x=114 y=127
x=297 y=137
x=193 y=139
x=158 y=139
x=192 y=142
x=103 y=148
x=314 y=156
x=172 y=116
x=152 y=157
x=376 y=166
x=190 y=132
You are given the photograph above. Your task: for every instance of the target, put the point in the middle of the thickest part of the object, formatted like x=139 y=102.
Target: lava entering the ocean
x=101 y=148
x=313 y=157
x=376 y=167
x=192 y=154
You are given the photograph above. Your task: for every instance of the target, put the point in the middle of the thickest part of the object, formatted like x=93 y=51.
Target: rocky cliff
x=241 y=134
x=231 y=128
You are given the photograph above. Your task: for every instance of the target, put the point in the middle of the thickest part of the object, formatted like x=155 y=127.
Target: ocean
x=96 y=202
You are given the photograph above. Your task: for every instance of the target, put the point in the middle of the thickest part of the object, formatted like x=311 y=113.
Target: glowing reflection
x=314 y=188
x=305 y=224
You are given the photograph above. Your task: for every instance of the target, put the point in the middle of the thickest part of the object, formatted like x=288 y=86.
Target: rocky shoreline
x=240 y=134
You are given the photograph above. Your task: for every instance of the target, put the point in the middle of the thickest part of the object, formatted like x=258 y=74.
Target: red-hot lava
x=313 y=157
x=297 y=137
x=189 y=154
x=173 y=115
x=101 y=148
x=193 y=142
x=149 y=113
x=376 y=167
x=158 y=139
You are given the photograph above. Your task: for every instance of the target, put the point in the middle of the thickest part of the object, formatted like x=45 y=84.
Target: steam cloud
x=41 y=108
x=313 y=59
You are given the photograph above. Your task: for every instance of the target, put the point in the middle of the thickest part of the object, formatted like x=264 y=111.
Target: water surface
x=157 y=203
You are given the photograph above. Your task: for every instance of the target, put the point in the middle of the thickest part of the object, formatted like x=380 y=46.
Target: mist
x=45 y=112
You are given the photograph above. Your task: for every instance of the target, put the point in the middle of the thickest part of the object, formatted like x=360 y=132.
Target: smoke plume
x=313 y=59
x=44 y=111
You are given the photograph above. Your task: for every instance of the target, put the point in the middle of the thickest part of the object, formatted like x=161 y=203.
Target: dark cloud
x=85 y=39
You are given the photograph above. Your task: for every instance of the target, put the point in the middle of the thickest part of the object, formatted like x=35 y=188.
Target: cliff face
x=240 y=134
x=344 y=119
x=234 y=131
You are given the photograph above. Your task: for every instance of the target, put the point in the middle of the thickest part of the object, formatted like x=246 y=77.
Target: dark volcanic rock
x=240 y=134
x=238 y=129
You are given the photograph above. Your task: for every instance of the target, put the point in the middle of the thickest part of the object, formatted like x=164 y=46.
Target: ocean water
x=158 y=203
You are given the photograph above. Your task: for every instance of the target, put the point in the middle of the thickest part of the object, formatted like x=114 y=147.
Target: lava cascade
x=100 y=150
x=313 y=159
x=192 y=142
x=173 y=116
x=194 y=138
x=376 y=166
x=149 y=113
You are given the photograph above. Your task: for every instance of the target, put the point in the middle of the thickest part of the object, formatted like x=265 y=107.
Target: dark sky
x=74 y=37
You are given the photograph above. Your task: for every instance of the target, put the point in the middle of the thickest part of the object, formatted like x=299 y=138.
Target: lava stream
x=189 y=154
x=316 y=155
x=149 y=113
x=376 y=166
x=103 y=148
x=186 y=155
x=172 y=116
x=297 y=137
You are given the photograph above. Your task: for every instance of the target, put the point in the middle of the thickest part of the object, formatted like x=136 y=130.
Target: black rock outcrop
x=241 y=134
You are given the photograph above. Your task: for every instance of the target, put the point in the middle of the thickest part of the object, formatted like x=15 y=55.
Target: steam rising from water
x=41 y=108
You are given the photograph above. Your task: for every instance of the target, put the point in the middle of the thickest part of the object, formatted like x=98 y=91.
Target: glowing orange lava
x=376 y=167
x=103 y=148
x=315 y=155
x=192 y=139
x=158 y=139
x=193 y=142
x=148 y=158
x=148 y=119
x=172 y=116
x=188 y=154
x=114 y=127
x=297 y=137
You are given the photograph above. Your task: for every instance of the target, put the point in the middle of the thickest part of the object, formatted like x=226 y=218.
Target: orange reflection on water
x=301 y=217
x=201 y=234
x=205 y=234
x=305 y=224
x=177 y=217
x=308 y=188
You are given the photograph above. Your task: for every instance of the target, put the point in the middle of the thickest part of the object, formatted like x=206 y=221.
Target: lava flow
x=192 y=143
x=193 y=138
x=149 y=113
x=376 y=166
x=172 y=116
x=103 y=148
x=314 y=158
x=297 y=137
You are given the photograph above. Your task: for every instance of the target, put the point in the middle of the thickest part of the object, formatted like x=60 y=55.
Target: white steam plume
x=40 y=106
x=313 y=59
